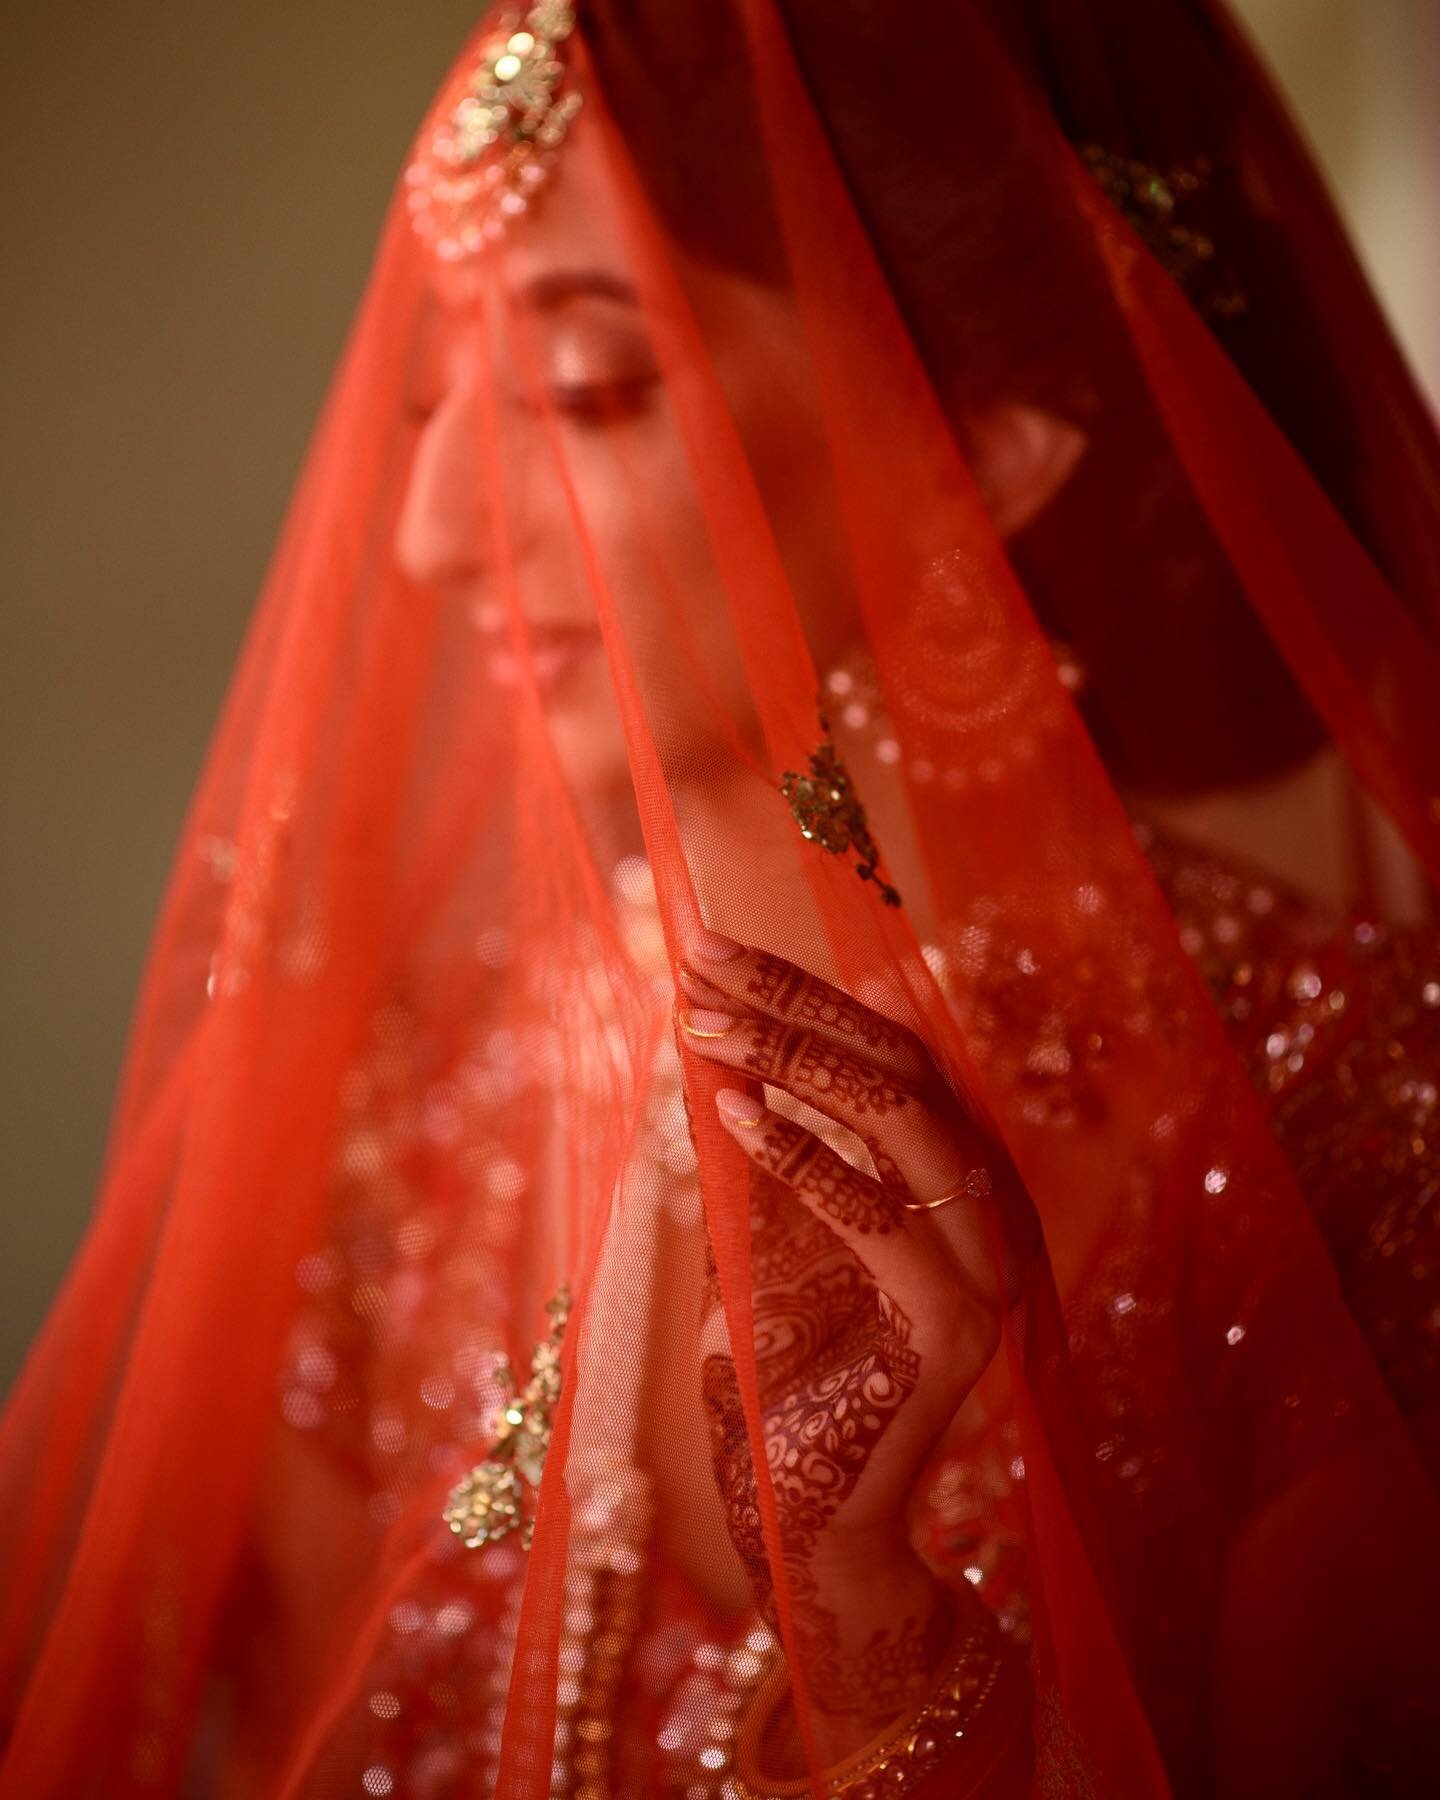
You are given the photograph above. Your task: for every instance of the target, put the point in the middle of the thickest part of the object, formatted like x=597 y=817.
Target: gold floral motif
x=498 y=1493
x=829 y=813
x=496 y=131
x=1150 y=199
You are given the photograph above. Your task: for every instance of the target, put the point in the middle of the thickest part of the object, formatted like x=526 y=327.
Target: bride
x=780 y=1138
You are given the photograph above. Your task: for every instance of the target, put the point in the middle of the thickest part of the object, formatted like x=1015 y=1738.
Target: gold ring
x=975 y=1186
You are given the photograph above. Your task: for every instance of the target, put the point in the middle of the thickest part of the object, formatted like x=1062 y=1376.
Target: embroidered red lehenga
x=782 y=1133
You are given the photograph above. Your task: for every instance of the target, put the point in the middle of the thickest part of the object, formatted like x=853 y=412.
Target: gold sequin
x=498 y=1493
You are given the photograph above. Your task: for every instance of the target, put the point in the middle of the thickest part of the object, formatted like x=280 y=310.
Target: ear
x=1021 y=457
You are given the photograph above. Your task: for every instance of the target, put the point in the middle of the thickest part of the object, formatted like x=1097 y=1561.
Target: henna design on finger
x=785 y=1237
x=826 y=1181
x=775 y=984
x=819 y=1073
x=780 y=987
x=886 y=1169
x=852 y=1093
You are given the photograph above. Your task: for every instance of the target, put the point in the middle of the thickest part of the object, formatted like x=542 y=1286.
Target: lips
x=556 y=653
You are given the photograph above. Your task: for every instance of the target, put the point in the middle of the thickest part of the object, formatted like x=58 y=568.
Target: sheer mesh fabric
x=829 y=397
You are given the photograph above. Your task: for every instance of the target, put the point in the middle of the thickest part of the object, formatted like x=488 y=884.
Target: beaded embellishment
x=498 y=1493
x=1153 y=200
x=495 y=133
x=606 y=1595
x=829 y=813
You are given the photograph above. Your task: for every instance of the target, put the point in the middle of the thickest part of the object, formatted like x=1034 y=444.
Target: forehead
x=572 y=224
x=564 y=257
x=568 y=247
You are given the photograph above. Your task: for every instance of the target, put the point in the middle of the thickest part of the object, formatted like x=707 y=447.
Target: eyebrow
x=558 y=285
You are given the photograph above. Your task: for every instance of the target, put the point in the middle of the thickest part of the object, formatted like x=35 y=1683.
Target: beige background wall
x=189 y=200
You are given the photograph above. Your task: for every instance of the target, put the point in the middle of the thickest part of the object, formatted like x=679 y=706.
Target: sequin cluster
x=710 y=1697
x=1153 y=200
x=500 y=1493
x=497 y=131
x=439 y=1684
x=1339 y=1022
x=829 y=813
x=604 y=1599
x=396 y=1360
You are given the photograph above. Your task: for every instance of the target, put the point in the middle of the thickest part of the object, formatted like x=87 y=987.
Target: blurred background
x=191 y=195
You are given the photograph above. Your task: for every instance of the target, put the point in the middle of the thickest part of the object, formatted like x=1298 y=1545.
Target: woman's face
x=550 y=460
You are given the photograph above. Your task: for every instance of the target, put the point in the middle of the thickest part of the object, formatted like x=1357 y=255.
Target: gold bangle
x=906 y=1753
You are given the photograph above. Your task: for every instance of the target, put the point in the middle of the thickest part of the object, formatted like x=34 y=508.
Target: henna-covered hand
x=872 y=1322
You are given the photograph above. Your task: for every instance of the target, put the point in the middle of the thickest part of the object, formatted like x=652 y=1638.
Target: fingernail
x=738 y=1108
x=714 y=947
x=700 y=1022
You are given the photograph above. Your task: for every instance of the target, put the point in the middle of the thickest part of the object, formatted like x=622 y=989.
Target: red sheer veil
x=993 y=428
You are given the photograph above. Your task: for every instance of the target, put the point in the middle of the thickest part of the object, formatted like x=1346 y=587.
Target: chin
x=591 y=751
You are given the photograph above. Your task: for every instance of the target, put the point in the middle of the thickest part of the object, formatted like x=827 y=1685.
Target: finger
x=760 y=982
x=865 y=1216
x=913 y=1143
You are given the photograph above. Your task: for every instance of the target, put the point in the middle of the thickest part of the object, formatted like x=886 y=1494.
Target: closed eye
x=606 y=402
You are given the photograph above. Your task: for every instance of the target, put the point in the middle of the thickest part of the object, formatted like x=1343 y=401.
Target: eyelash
x=591 y=403
x=604 y=402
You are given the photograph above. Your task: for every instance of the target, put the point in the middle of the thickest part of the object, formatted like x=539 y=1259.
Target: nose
x=442 y=533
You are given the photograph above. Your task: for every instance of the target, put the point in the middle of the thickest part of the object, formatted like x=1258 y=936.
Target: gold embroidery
x=829 y=813
x=498 y=1493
